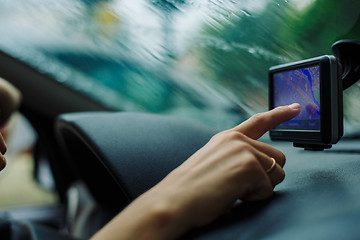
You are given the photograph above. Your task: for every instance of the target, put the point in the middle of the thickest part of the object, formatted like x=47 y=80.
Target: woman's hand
x=231 y=166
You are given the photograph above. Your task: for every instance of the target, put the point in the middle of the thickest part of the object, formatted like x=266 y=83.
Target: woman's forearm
x=148 y=217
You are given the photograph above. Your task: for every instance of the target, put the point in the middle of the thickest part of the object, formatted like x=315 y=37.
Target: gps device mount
x=324 y=106
x=347 y=52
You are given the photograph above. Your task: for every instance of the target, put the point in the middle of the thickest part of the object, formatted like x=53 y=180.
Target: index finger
x=260 y=123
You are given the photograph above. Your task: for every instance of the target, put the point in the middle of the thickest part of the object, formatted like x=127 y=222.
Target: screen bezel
x=324 y=135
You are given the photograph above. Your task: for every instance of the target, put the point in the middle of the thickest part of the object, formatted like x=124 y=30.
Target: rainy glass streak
x=206 y=60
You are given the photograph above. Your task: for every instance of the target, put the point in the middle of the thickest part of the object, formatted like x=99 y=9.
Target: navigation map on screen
x=299 y=86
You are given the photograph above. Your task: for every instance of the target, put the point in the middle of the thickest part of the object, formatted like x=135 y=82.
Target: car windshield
x=206 y=60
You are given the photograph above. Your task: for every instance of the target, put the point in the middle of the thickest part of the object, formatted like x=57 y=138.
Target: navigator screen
x=299 y=86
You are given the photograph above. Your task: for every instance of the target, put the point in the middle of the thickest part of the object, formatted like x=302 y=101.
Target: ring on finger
x=272 y=167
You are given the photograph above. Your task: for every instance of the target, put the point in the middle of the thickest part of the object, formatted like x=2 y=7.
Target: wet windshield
x=206 y=60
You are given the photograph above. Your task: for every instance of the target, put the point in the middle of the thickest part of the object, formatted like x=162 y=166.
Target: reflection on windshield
x=205 y=59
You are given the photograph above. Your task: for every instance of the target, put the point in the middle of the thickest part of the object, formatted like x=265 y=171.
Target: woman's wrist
x=148 y=217
x=167 y=215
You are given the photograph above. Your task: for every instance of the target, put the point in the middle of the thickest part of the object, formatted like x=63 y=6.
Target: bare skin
x=231 y=166
x=10 y=99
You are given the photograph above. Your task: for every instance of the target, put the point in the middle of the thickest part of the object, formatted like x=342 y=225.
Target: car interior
x=118 y=93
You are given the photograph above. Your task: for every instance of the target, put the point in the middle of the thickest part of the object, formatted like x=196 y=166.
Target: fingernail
x=294 y=106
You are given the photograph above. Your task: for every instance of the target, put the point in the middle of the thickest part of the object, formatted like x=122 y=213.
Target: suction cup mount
x=347 y=52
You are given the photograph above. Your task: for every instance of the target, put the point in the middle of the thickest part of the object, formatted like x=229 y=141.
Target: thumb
x=260 y=123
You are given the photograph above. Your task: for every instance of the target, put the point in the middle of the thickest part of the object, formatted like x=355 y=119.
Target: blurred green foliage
x=238 y=55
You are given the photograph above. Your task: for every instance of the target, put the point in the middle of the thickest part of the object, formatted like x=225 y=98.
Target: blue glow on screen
x=299 y=86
